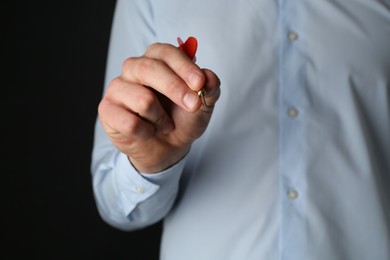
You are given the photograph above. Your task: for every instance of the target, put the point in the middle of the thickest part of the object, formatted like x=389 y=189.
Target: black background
x=49 y=115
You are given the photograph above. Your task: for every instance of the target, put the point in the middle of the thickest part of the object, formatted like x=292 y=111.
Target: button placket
x=292 y=136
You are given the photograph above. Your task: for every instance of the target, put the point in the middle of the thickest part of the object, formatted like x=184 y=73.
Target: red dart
x=189 y=46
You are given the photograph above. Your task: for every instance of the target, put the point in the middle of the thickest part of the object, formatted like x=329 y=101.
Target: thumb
x=190 y=125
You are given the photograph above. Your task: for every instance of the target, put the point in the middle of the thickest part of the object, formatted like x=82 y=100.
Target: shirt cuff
x=136 y=187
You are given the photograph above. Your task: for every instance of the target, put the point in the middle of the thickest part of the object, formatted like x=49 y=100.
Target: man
x=291 y=158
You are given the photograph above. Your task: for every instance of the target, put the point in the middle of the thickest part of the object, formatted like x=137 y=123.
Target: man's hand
x=152 y=112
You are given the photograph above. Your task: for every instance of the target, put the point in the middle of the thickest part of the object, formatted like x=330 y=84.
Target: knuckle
x=146 y=101
x=128 y=63
x=167 y=51
x=146 y=66
x=114 y=85
x=103 y=107
x=153 y=47
x=161 y=50
x=129 y=126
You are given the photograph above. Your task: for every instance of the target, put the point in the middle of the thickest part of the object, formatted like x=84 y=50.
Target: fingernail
x=195 y=79
x=190 y=100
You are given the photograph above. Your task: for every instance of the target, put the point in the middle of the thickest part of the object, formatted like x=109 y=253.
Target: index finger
x=179 y=61
x=157 y=75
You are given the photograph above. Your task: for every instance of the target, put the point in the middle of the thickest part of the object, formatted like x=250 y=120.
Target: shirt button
x=292 y=194
x=292 y=36
x=292 y=112
x=139 y=189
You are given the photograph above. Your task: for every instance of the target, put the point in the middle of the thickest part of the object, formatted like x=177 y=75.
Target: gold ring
x=202 y=96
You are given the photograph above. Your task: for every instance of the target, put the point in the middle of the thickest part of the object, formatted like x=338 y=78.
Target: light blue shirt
x=295 y=163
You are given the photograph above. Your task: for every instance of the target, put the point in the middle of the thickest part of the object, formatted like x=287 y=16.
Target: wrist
x=152 y=167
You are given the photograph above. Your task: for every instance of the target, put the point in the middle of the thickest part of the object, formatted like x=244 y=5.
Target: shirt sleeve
x=125 y=198
x=129 y=200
